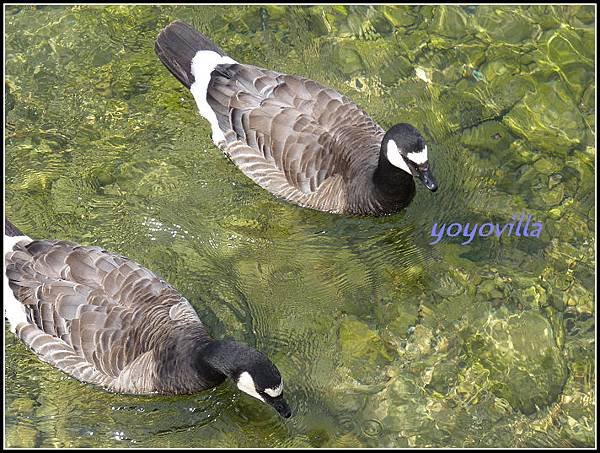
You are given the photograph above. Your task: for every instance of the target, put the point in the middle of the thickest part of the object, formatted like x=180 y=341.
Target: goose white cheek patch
x=276 y=391
x=395 y=158
x=418 y=158
x=246 y=384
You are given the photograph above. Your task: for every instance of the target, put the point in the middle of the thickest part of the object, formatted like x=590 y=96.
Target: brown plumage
x=296 y=138
x=104 y=319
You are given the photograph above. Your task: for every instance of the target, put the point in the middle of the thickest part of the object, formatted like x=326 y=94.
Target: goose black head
x=251 y=370
x=265 y=384
x=404 y=148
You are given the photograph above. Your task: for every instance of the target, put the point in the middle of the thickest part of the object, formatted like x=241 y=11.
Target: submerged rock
x=400 y=15
x=359 y=343
x=405 y=406
x=450 y=22
x=525 y=365
x=503 y=25
x=490 y=136
x=547 y=166
x=548 y=118
x=347 y=59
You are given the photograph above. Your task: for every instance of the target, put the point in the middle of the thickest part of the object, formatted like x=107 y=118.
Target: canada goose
x=294 y=137
x=105 y=320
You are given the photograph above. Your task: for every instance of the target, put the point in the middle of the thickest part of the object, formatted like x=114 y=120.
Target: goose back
x=105 y=320
x=296 y=138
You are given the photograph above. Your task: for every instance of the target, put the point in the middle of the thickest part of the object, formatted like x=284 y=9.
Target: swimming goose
x=294 y=137
x=105 y=320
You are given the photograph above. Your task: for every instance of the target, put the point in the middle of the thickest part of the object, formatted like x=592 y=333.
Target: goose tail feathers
x=11 y=230
x=177 y=45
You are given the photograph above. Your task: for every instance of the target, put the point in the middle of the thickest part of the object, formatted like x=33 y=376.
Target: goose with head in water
x=301 y=141
x=106 y=320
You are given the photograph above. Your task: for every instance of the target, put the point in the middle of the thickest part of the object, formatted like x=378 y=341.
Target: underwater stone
x=493 y=69
x=490 y=289
x=546 y=166
x=443 y=376
x=399 y=16
x=490 y=135
x=421 y=339
x=579 y=298
x=404 y=402
x=336 y=20
x=401 y=316
x=553 y=180
x=571 y=52
x=585 y=14
x=520 y=149
x=316 y=21
x=566 y=47
x=534 y=296
x=449 y=21
x=358 y=342
x=587 y=103
x=347 y=59
x=505 y=25
x=548 y=118
x=475 y=55
x=578 y=76
x=553 y=196
x=402 y=68
x=569 y=227
x=525 y=365
x=382 y=26
x=21 y=437
x=22 y=405
x=545 y=16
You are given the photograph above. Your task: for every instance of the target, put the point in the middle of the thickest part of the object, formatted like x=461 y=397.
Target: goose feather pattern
x=298 y=139
x=104 y=319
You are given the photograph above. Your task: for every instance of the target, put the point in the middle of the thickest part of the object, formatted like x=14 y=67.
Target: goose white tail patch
x=14 y=310
x=203 y=64
x=276 y=391
x=246 y=384
x=395 y=158
x=418 y=158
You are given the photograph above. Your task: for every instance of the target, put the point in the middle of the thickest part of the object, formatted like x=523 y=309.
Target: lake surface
x=382 y=338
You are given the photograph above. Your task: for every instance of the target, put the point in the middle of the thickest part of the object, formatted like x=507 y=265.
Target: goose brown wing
x=281 y=130
x=94 y=314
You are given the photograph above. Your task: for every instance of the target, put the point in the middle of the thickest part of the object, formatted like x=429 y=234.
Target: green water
x=382 y=338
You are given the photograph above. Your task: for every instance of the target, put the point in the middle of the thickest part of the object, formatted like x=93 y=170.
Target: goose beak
x=424 y=174
x=282 y=408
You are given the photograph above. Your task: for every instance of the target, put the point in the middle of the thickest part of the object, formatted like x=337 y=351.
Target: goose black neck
x=394 y=186
x=224 y=358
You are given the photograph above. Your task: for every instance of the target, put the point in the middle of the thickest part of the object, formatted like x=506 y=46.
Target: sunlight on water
x=382 y=339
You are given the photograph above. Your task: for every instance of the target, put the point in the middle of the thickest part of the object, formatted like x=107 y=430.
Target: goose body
x=300 y=140
x=106 y=320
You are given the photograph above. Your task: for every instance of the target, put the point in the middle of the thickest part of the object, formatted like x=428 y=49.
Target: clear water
x=382 y=338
